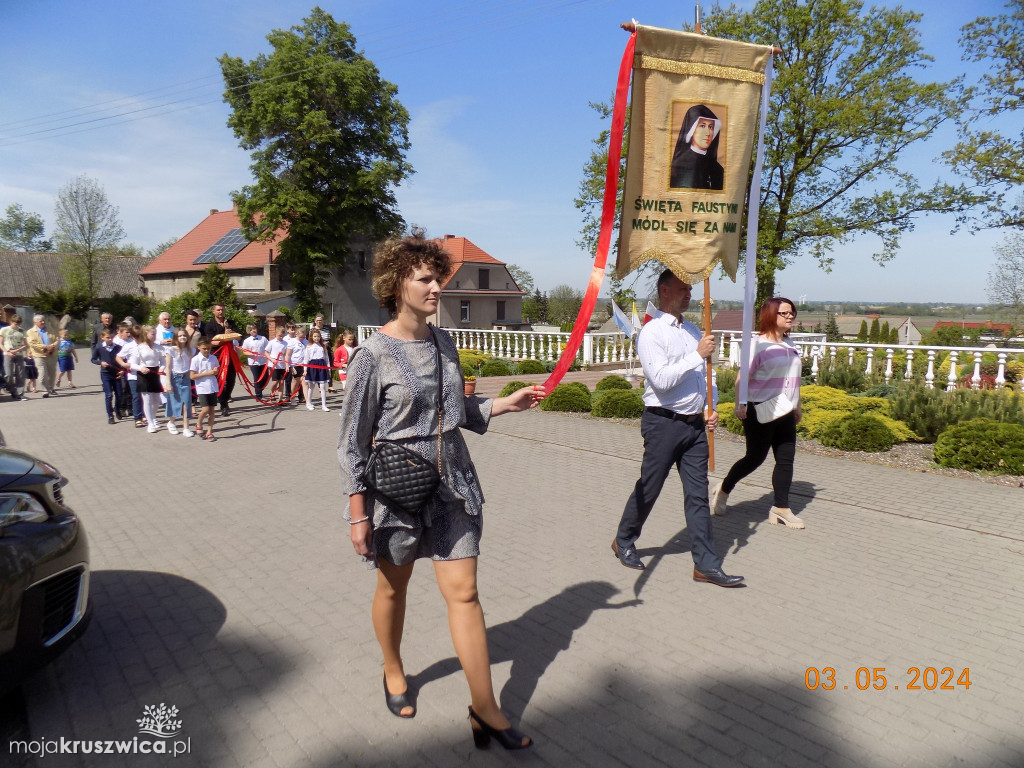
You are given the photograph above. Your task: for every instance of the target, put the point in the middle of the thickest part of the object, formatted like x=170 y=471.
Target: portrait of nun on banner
x=693 y=121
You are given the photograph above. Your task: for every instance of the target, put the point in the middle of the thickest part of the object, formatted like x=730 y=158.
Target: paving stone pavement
x=224 y=584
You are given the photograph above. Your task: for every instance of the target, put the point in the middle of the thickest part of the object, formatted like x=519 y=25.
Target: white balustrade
x=606 y=348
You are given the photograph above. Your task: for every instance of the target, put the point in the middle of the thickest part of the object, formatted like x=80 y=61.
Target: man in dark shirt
x=214 y=327
x=106 y=323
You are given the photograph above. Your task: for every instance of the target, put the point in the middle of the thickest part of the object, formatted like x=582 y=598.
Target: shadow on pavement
x=534 y=640
x=155 y=638
x=618 y=721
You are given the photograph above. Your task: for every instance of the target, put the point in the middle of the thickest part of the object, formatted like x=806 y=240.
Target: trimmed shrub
x=613 y=382
x=472 y=358
x=982 y=444
x=728 y=418
x=495 y=368
x=858 y=432
x=844 y=377
x=467 y=371
x=568 y=397
x=831 y=399
x=725 y=378
x=881 y=390
x=930 y=411
x=513 y=386
x=531 y=366
x=619 y=404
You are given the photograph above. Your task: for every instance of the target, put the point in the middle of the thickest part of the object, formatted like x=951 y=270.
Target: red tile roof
x=462 y=250
x=987 y=325
x=179 y=257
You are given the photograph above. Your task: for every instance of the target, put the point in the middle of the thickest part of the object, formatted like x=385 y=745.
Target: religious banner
x=693 y=120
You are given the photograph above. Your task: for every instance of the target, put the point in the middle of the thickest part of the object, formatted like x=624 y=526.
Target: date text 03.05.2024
x=874 y=678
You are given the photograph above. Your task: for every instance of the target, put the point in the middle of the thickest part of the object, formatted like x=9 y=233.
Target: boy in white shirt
x=255 y=345
x=203 y=371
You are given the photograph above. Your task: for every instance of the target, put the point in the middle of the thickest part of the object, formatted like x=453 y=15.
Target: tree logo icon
x=159 y=721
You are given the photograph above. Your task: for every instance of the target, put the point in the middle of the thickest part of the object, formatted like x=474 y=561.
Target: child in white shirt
x=203 y=371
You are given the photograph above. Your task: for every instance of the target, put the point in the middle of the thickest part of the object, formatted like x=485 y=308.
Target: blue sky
x=497 y=90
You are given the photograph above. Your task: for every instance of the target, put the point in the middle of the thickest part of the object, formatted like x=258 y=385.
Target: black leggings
x=780 y=436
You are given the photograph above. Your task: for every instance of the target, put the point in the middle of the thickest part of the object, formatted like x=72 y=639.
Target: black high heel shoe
x=510 y=738
x=398 y=701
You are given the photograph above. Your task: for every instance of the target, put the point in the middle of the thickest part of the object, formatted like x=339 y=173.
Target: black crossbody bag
x=403 y=478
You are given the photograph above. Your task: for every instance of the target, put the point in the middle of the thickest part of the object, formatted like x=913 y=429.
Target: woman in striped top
x=774 y=373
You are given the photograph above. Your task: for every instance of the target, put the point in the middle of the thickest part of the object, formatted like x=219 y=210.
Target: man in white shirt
x=255 y=345
x=673 y=354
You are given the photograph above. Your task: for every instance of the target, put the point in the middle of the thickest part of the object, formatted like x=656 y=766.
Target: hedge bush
x=513 y=386
x=573 y=397
x=613 y=382
x=467 y=371
x=473 y=358
x=930 y=411
x=843 y=376
x=858 y=432
x=725 y=379
x=495 y=368
x=982 y=444
x=619 y=404
x=531 y=366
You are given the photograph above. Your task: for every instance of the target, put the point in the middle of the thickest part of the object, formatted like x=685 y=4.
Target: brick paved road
x=228 y=588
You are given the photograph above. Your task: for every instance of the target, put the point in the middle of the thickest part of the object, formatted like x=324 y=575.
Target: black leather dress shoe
x=718 y=577
x=628 y=556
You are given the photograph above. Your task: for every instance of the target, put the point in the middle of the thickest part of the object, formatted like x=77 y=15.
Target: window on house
x=485 y=280
x=500 y=314
x=464 y=309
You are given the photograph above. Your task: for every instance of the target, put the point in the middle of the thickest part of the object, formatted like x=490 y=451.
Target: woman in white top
x=179 y=396
x=145 y=362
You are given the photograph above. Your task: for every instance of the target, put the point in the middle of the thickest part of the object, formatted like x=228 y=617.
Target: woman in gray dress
x=392 y=395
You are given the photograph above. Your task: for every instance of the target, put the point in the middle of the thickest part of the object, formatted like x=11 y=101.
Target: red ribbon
x=611 y=195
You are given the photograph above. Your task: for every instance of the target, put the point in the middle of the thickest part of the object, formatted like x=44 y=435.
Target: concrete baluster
x=951 y=379
x=976 y=378
x=910 y=365
x=1001 y=373
x=929 y=377
x=888 y=364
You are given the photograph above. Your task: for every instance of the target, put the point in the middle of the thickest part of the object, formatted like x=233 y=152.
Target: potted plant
x=470 y=384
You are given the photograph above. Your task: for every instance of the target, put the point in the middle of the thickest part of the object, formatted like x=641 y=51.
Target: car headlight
x=21 y=508
x=47 y=469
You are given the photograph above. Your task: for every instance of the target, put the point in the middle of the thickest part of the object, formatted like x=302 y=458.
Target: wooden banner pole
x=710 y=402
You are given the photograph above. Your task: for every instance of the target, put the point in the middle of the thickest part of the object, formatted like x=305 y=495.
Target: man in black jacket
x=214 y=327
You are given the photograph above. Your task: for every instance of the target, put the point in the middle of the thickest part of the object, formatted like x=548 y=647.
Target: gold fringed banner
x=692 y=125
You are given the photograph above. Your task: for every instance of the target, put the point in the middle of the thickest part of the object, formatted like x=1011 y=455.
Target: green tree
x=1006 y=280
x=156 y=251
x=61 y=302
x=88 y=227
x=883 y=333
x=862 y=334
x=832 y=332
x=522 y=277
x=994 y=161
x=328 y=139
x=214 y=287
x=894 y=336
x=564 y=304
x=845 y=106
x=875 y=333
x=22 y=230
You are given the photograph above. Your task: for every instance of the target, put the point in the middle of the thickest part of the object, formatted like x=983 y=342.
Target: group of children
x=295 y=361
x=132 y=362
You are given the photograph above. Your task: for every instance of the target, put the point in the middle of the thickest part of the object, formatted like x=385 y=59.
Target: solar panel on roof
x=224 y=249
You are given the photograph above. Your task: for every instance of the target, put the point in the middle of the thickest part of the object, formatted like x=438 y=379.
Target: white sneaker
x=326 y=409
x=152 y=428
x=309 y=407
x=189 y=433
x=719 y=500
x=172 y=427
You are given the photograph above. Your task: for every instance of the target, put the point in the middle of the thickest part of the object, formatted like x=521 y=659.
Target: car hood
x=14 y=465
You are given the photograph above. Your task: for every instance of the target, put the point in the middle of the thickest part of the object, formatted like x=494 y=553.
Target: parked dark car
x=44 y=567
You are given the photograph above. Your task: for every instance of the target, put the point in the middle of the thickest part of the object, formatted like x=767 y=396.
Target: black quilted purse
x=403 y=478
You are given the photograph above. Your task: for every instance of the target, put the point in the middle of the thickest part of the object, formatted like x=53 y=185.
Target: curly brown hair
x=396 y=259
